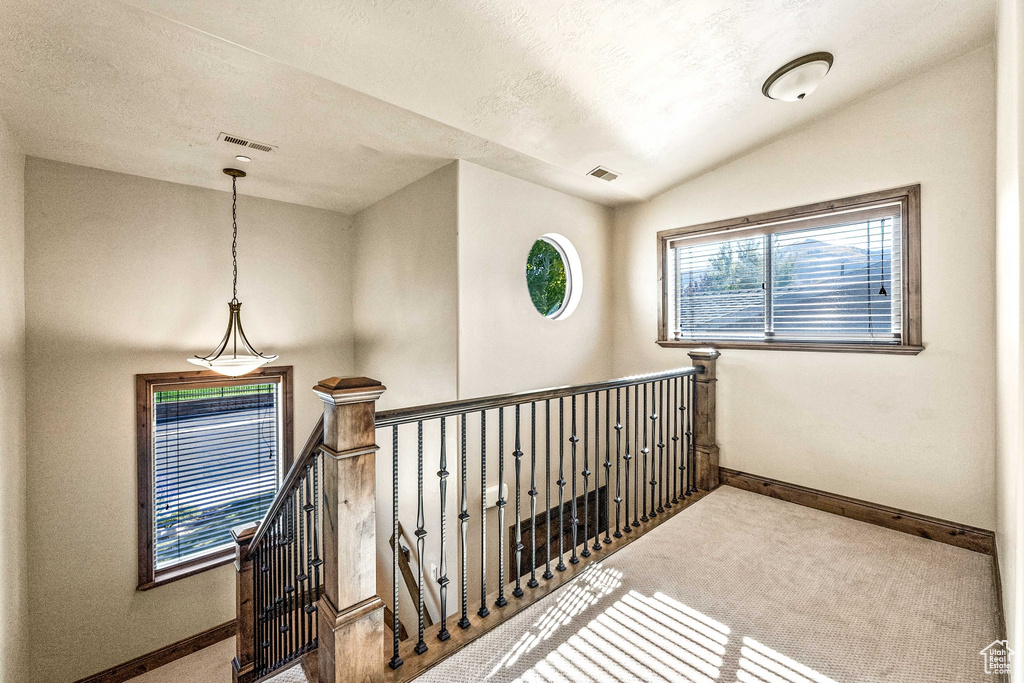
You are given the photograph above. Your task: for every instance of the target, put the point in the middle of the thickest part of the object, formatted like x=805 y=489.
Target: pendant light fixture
x=226 y=358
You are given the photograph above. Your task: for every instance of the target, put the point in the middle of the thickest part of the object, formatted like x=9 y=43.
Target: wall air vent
x=243 y=142
x=604 y=174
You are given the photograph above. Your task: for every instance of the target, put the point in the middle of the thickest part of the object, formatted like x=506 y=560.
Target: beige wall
x=405 y=303
x=13 y=540
x=915 y=432
x=504 y=343
x=1009 y=319
x=126 y=275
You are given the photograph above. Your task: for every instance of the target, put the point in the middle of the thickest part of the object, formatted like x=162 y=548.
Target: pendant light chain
x=226 y=359
x=234 y=240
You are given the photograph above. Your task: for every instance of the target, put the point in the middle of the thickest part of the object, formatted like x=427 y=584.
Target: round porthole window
x=553 y=276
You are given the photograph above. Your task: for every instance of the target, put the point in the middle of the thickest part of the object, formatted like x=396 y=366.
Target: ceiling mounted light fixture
x=799 y=78
x=226 y=358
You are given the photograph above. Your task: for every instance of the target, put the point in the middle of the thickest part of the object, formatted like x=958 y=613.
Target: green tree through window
x=546 y=278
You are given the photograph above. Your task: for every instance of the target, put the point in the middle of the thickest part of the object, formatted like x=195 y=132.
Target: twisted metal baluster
x=639 y=420
x=607 y=507
x=442 y=577
x=317 y=561
x=627 y=457
x=561 y=484
x=293 y=553
x=684 y=446
x=483 y=611
x=501 y=601
x=300 y=560
x=618 y=464
x=674 y=431
x=547 y=485
x=575 y=510
x=597 y=475
x=464 y=524
x=661 y=447
x=396 y=661
x=532 y=583
x=643 y=454
x=518 y=455
x=421 y=537
x=586 y=476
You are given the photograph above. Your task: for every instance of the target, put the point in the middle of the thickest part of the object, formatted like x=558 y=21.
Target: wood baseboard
x=165 y=655
x=952 y=533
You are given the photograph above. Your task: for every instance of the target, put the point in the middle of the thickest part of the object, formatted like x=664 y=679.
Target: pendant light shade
x=234 y=355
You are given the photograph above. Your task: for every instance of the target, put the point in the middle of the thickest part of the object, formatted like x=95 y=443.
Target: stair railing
x=650 y=440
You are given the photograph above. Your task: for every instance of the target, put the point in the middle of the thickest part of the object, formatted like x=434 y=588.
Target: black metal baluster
x=660 y=447
x=684 y=446
x=643 y=455
x=263 y=605
x=674 y=430
x=483 y=611
x=293 y=602
x=260 y=608
x=607 y=507
x=573 y=559
x=639 y=420
x=464 y=523
x=396 y=661
x=501 y=601
x=279 y=601
x=561 y=484
x=518 y=455
x=301 y=541
x=627 y=457
x=442 y=577
x=532 y=583
x=597 y=473
x=317 y=561
x=618 y=464
x=421 y=536
x=547 y=485
x=586 y=476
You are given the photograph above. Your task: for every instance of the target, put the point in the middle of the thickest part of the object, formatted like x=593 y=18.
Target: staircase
x=589 y=468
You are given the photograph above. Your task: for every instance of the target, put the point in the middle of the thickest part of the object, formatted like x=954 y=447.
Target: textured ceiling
x=362 y=97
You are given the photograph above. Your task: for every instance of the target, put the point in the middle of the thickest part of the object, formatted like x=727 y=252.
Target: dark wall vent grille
x=243 y=142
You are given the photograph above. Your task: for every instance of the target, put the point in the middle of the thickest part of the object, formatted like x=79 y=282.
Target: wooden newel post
x=705 y=438
x=245 y=620
x=351 y=615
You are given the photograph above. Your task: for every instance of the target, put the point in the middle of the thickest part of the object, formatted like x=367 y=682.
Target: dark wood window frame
x=149 y=576
x=911 y=343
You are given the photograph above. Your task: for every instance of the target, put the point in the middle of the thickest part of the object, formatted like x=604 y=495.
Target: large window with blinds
x=212 y=451
x=841 y=275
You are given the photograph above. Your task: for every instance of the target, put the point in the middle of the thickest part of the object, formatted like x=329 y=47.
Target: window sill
x=900 y=350
x=188 y=569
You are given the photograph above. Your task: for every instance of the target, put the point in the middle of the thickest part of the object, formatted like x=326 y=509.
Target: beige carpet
x=742 y=587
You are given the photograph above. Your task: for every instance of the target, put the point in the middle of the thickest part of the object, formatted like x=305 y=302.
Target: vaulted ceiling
x=361 y=98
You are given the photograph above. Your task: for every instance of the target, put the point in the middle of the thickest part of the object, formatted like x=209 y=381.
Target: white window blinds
x=828 y=278
x=215 y=465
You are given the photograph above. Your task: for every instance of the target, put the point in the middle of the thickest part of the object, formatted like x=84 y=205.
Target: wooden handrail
x=291 y=480
x=398 y=416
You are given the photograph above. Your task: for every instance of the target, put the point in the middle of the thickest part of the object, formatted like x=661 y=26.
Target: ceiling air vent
x=243 y=142
x=604 y=174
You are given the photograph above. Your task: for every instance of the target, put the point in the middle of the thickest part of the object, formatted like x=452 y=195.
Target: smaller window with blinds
x=842 y=275
x=211 y=454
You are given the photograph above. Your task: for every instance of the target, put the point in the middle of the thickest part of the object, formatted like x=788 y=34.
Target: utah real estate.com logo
x=997 y=657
